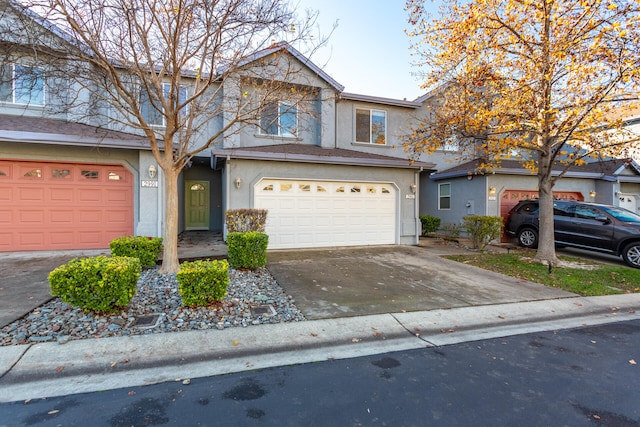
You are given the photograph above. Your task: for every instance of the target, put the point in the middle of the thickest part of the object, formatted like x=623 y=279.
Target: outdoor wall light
x=238 y=182
x=592 y=194
x=413 y=187
x=492 y=191
x=152 y=171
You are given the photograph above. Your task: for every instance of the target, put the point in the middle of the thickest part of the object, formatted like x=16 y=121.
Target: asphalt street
x=586 y=376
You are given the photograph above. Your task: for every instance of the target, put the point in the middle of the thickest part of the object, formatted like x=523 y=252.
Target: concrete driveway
x=373 y=280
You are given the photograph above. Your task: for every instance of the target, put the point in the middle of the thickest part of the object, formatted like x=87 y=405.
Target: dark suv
x=591 y=226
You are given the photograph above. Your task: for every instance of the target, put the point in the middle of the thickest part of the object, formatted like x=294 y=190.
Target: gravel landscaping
x=253 y=298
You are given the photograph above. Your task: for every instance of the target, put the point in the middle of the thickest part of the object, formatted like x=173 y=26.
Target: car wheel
x=631 y=254
x=528 y=237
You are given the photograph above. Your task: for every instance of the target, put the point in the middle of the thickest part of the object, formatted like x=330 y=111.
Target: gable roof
x=286 y=47
x=305 y=153
x=607 y=170
x=61 y=132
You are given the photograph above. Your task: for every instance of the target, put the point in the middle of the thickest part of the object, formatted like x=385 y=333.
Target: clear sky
x=368 y=52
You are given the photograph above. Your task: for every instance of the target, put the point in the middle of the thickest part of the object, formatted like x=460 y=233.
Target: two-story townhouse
x=329 y=167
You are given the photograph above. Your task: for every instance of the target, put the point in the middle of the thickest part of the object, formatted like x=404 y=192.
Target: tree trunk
x=170 y=262
x=546 y=246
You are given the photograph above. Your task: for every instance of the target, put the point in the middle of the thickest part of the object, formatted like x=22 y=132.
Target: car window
x=587 y=212
x=621 y=214
x=563 y=209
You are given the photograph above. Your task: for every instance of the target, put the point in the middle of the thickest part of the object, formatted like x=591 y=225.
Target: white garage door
x=306 y=214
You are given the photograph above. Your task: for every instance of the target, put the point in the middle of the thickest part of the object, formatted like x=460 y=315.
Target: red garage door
x=54 y=206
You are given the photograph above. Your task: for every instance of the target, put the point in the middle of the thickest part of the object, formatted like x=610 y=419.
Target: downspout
x=226 y=196
x=161 y=206
x=416 y=178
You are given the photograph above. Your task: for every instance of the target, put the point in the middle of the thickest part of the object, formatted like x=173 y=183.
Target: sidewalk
x=51 y=369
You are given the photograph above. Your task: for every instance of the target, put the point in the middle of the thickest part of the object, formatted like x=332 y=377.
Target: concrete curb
x=50 y=369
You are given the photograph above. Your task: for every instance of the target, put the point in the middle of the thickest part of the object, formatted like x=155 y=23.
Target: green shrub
x=430 y=224
x=146 y=249
x=451 y=231
x=247 y=250
x=482 y=229
x=203 y=282
x=99 y=283
x=243 y=220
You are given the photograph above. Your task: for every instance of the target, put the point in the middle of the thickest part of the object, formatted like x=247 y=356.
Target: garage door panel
x=30 y=195
x=64 y=205
x=60 y=218
x=328 y=214
x=61 y=240
x=89 y=195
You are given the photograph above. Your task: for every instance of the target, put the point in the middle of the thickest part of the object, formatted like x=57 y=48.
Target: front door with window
x=197 y=205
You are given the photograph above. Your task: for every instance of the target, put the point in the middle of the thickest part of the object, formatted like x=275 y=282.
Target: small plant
x=430 y=224
x=451 y=231
x=482 y=229
x=203 y=282
x=99 y=283
x=247 y=250
x=243 y=220
x=146 y=249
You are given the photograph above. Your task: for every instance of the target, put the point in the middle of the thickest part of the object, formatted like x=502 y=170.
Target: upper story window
x=153 y=115
x=279 y=119
x=371 y=126
x=451 y=144
x=20 y=84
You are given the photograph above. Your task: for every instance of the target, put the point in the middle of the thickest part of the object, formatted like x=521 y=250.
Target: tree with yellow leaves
x=541 y=81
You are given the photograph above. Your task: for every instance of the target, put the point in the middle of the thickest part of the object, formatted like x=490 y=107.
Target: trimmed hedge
x=247 y=250
x=203 y=282
x=243 y=220
x=146 y=249
x=482 y=229
x=430 y=224
x=99 y=283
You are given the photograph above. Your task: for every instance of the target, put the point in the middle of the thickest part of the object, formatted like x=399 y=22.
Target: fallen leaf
x=577 y=304
x=55 y=411
x=416 y=329
x=186 y=382
x=113 y=364
x=26 y=402
x=633 y=362
x=355 y=340
x=131 y=393
x=235 y=342
x=313 y=334
x=178 y=379
x=597 y=417
x=377 y=334
x=593 y=342
x=445 y=331
x=500 y=316
x=59 y=368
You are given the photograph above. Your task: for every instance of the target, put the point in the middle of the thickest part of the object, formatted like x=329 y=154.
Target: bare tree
x=184 y=73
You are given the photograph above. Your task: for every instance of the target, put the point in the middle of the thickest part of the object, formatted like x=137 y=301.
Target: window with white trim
x=371 y=126
x=444 y=196
x=279 y=119
x=21 y=84
x=153 y=114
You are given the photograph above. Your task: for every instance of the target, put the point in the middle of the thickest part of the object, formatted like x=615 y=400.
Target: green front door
x=197 y=205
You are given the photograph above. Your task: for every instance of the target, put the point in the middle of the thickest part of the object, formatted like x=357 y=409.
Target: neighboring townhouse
x=452 y=193
x=331 y=172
